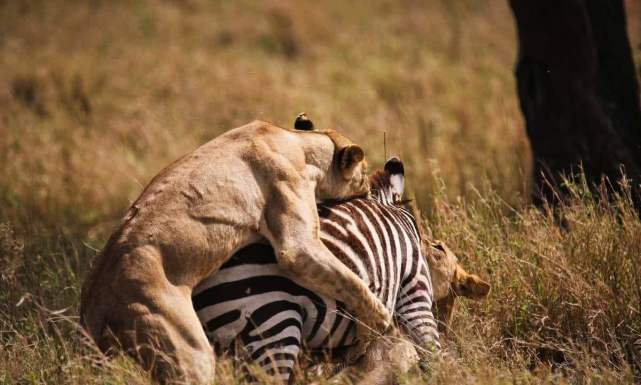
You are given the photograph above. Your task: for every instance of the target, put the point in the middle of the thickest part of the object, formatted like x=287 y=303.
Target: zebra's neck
x=376 y=239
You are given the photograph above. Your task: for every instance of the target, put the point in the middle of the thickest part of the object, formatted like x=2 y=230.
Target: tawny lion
x=255 y=181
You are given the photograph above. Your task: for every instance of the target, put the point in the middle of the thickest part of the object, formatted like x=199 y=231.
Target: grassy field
x=97 y=96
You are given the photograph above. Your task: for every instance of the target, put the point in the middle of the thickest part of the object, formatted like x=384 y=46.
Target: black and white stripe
x=251 y=301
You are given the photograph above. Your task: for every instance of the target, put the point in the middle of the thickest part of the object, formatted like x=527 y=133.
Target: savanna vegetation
x=97 y=96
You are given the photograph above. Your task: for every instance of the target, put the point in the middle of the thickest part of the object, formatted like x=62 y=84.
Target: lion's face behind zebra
x=252 y=303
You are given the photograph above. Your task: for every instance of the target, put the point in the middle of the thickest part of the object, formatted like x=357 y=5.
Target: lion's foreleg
x=293 y=229
x=385 y=359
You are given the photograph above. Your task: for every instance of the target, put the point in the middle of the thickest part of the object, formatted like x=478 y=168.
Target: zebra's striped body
x=250 y=299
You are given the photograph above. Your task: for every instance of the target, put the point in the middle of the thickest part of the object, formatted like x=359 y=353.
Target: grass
x=97 y=96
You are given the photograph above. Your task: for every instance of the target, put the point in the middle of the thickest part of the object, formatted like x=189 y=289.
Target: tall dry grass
x=97 y=96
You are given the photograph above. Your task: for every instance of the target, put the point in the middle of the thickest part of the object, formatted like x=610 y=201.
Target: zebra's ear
x=394 y=167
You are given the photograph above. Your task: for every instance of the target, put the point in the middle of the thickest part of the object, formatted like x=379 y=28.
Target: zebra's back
x=251 y=298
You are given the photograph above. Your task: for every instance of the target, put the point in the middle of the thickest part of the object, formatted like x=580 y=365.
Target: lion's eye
x=438 y=246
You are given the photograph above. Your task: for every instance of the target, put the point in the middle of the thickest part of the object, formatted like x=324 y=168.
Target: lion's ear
x=303 y=123
x=348 y=158
x=434 y=251
x=471 y=286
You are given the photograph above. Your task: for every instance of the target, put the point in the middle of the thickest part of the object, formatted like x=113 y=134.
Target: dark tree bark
x=578 y=92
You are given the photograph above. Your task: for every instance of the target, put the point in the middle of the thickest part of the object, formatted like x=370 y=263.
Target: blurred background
x=98 y=96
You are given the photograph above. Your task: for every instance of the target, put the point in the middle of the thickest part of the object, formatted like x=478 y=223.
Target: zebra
x=251 y=303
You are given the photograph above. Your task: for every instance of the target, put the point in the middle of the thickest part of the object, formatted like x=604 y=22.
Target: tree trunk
x=578 y=92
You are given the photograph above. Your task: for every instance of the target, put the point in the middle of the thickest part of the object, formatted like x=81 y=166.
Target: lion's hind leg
x=156 y=324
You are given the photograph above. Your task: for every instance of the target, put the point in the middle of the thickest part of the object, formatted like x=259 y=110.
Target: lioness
x=451 y=281
x=255 y=181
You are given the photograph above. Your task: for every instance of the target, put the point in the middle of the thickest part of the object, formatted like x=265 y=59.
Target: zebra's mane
x=379 y=180
x=382 y=189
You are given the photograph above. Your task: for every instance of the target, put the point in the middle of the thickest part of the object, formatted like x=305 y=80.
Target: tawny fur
x=450 y=280
x=384 y=360
x=255 y=181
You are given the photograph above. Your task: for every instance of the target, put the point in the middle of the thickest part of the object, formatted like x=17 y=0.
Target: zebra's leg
x=275 y=347
x=414 y=313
